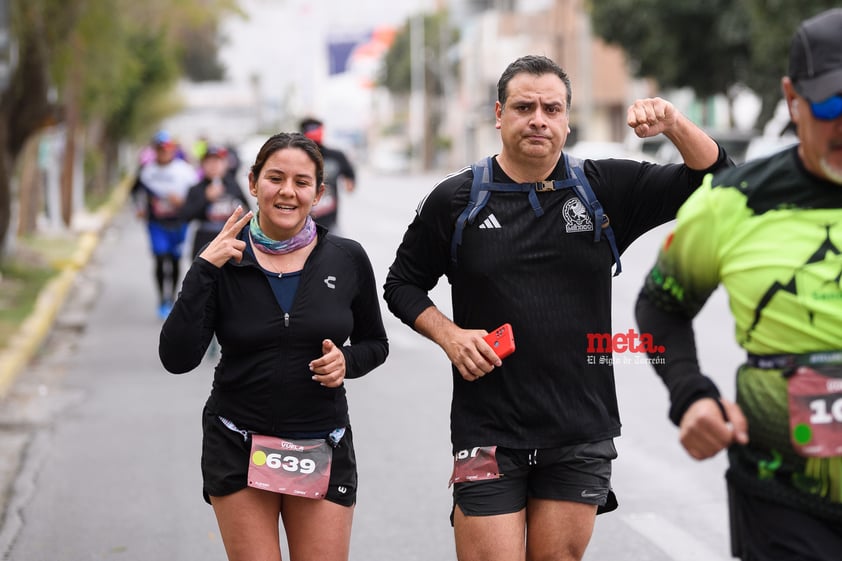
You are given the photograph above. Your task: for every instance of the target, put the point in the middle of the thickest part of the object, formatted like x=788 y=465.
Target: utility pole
x=6 y=52
x=418 y=87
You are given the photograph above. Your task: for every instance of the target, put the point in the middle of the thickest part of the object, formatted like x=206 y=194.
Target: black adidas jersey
x=548 y=278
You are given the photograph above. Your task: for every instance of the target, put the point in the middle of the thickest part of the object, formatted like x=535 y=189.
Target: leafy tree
x=771 y=26
x=396 y=72
x=198 y=53
x=24 y=104
x=711 y=46
x=103 y=68
x=700 y=44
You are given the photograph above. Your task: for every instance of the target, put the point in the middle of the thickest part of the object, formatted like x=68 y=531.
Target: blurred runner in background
x=213 y=199
x=338 y=173
x=158 y=193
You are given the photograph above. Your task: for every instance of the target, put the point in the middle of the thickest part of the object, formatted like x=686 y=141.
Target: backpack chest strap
x=529 y=188
x=482 y=187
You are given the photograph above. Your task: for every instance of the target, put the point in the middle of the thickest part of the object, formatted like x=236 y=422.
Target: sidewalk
x=22 y=389
x=33 y=331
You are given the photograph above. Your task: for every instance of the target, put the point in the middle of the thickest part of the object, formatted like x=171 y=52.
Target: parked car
x=735 y=142
x=663 y=151
x=768 y=144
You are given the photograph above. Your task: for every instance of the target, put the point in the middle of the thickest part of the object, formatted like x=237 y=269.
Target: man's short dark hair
x=309 y=123
x=532 y=64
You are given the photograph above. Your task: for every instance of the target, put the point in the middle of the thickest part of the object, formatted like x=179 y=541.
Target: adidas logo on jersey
x=490 y=222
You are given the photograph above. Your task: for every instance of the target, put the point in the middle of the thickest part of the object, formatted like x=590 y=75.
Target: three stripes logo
x=490 y=223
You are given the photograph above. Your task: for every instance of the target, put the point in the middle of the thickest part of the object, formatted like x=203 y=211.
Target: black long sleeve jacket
x=262 y=381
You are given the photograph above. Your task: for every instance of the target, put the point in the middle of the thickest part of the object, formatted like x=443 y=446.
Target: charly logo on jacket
x=576 y=217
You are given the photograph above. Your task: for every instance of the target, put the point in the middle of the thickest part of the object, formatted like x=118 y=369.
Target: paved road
x=104 y=444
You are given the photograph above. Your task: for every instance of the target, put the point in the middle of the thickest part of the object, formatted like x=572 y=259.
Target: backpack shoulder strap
x=481 y=187
x=482 y=172
x=601 y=222
x=482 y=184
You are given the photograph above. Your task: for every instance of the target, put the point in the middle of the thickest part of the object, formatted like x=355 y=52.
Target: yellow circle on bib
x=258 y=458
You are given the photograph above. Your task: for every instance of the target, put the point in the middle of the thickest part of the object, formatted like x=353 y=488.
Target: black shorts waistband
x=783 y=361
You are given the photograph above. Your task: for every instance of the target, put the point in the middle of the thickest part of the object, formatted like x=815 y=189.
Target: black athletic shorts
x=225 y=461
x=766 y=531
x=580 y=473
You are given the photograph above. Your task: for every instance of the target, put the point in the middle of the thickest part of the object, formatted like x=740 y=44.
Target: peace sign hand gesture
x=225 y=245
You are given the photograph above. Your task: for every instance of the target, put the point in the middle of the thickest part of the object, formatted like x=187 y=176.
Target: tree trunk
x=68 y=158
x=5 y=189
x=72 y=120
x=23 y=110
x=30 y=187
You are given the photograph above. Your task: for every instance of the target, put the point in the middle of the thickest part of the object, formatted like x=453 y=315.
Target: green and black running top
x=771 y=234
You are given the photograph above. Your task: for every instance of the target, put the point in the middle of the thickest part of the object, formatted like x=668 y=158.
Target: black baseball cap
x=215 y=152
x=815 y=56
x=309 y=124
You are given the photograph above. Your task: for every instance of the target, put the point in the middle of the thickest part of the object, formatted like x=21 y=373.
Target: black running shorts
x=225 y=460
x=580 y=473
x=767 y=531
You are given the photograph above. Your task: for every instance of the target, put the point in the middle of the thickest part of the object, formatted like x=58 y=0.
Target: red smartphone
x=502 y=340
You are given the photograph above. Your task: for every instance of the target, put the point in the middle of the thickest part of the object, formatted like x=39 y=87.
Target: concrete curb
x=33 y=331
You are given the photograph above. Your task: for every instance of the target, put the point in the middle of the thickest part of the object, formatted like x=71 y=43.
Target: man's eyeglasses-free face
x=829 y=109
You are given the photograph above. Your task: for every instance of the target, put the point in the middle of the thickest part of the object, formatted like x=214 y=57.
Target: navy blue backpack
x=482 y=187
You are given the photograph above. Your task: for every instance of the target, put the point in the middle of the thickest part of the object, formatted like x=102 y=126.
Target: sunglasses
x=829 y=109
